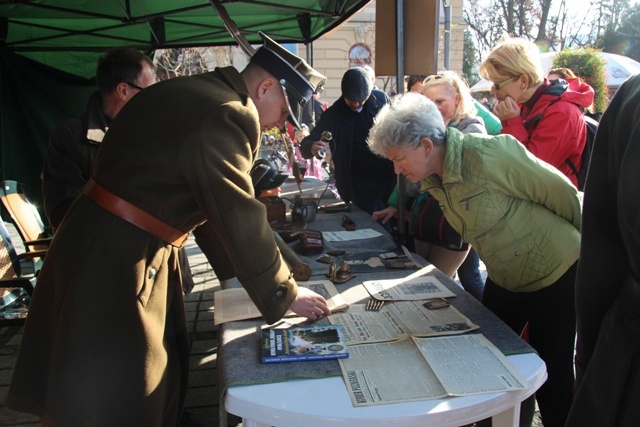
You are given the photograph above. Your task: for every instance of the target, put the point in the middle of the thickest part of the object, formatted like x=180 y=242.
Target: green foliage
x=588 y=65
x=625 y=39
x=469 y=59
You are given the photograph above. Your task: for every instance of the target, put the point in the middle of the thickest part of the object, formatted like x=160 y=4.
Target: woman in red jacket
x=545 y=116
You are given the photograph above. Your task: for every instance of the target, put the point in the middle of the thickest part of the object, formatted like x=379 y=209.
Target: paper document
x=345 y=236
x=399 y=320
x=408 y=289
x=427 y=368
x=235 y=304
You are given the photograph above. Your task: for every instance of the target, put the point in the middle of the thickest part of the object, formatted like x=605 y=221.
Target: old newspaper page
x=399 y=320
x=410 y=288
x=427 y=368
x=235 y=304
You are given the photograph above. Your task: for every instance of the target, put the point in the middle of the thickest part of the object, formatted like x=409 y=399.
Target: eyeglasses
x=134 y=86
x=500 y=85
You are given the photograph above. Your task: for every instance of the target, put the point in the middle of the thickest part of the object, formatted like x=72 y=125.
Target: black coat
x=607 y=286
x=341 y=121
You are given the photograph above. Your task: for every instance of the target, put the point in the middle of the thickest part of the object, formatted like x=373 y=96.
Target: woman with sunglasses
x=545 y=116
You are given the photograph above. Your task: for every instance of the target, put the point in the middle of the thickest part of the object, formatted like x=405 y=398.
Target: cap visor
x=279 y=180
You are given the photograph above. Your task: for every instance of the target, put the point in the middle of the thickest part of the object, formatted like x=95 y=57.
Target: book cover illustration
x=303 y=343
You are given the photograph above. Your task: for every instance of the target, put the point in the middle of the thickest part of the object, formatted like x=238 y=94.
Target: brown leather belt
x=133 y=215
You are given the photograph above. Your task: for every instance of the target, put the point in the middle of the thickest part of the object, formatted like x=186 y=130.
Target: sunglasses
x=500 y=85
x=433 y=77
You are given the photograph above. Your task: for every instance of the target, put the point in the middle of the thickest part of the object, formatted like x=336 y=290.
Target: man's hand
x=506 y=109
x=310 y=304
x=317 y=146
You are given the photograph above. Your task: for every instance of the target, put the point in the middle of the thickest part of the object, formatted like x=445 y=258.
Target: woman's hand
x=506 y=109
x=386 y=214
x=310 y=304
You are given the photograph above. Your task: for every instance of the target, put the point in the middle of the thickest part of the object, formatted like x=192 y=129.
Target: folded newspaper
x=234 y=303
x=416 y=369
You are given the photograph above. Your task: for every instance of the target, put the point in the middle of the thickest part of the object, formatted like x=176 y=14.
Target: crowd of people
x=483 y=180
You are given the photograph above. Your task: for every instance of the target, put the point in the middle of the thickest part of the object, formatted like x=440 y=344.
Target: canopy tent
x=49 y=50
x=618 y=69
x=70 y=34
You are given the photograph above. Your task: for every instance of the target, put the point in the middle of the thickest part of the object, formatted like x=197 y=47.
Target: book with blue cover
x=303 y=343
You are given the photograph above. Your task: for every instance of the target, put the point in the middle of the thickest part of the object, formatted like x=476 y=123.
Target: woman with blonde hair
x=545 y=116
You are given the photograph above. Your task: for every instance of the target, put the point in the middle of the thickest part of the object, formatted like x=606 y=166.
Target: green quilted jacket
x=521 y=214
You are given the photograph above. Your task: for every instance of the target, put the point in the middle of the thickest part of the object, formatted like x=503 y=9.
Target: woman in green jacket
x=521 y=214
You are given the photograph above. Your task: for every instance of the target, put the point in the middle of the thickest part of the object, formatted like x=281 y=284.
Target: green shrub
x=591 y=67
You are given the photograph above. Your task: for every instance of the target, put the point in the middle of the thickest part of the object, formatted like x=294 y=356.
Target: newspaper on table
x=421 y=285
x=345 y=236
x=234 y=303
x=399 y=320
x=416 y=369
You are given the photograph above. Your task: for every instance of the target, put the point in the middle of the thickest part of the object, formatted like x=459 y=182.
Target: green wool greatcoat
x=105 y=342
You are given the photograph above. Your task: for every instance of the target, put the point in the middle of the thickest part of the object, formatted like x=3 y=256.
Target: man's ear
x=123 y=91
x=265 y=86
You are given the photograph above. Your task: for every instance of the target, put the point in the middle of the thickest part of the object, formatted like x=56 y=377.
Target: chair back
x=14 y=296
x=9 y=264
x=23 y=214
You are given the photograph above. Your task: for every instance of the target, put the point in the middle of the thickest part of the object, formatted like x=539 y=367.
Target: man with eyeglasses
x=106 y=341
x=121 y=74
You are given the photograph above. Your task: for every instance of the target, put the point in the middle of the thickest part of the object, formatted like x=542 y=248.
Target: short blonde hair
x=454 y=84
x=513 y=57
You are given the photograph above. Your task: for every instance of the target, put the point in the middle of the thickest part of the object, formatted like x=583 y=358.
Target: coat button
x=517 y=253
x=152 y=273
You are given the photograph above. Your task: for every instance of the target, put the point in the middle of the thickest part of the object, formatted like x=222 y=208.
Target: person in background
x=522 y=215
x=369 y=69
x=545 y=116
x=414 y=83
x=121 y=74
x=361 y=177
x=105 y=342
x=312 y=111
x=568 y=74
x=561 y=73
x=608 y=279
x=458 y=108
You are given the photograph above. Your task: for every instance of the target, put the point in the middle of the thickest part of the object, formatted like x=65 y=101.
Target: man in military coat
x=105 y=342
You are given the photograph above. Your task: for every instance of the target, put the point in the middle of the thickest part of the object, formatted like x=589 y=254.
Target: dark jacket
x=72 y=149
x=340 y=121
x=608 y=278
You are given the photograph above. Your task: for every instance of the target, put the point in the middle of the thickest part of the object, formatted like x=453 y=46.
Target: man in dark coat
x=121 y=74
x=105 y=342
x=361 y=177
x=608 y=278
